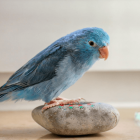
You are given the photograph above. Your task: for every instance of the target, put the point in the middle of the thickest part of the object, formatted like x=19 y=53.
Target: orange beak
x=104 y=52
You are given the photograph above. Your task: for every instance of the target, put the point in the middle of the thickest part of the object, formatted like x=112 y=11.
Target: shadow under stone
x=53 y=136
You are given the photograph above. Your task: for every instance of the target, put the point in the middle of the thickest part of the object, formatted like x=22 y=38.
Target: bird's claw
x=61 y=101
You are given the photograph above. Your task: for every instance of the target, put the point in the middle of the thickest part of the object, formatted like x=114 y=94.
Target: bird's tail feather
x=5 y=90
x=2 y=95
x=15 y=92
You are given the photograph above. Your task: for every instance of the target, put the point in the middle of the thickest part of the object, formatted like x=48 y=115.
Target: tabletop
x=15 y=125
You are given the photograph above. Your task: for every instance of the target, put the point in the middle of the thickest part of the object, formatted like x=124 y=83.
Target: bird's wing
x=40 y=68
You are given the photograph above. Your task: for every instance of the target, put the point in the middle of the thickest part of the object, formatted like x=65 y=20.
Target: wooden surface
x=19 y=125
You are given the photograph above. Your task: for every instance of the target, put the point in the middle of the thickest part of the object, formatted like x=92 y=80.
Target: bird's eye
x=91 y=43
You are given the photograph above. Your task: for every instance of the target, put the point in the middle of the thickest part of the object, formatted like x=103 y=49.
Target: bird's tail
x=5 y=90
x=16 y=92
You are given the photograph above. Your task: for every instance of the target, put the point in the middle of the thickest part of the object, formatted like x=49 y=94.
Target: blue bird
x=57 y=67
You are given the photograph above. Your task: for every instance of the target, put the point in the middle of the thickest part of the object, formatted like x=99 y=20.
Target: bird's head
x=91 y=40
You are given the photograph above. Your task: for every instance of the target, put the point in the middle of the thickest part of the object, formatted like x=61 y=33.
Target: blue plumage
x=57 y=67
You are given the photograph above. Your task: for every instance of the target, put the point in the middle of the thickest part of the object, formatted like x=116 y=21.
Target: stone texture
x=80 y=119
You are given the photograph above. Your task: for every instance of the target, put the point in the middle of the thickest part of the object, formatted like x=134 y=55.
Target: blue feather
x=55 y=68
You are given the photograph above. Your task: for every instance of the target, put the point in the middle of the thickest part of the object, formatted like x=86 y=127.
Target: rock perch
x=78 y=119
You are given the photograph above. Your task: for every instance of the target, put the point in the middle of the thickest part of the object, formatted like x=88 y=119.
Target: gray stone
x=80 y=119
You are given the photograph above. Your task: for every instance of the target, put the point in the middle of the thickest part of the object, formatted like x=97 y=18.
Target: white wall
x=29 y=26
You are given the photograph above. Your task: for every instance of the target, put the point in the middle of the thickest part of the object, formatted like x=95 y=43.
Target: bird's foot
x=61 y=101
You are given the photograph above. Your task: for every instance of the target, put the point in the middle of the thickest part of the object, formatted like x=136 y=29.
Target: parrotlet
x=57 y=67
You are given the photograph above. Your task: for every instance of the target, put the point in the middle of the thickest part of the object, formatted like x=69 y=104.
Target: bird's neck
x=84 y=61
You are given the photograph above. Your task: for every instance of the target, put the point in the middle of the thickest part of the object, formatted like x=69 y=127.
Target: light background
x=29 y=26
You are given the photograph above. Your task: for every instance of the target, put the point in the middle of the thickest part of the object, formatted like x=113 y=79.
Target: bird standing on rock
x=57 y=67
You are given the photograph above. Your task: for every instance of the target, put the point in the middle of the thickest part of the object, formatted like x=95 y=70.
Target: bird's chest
x=68 y=73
